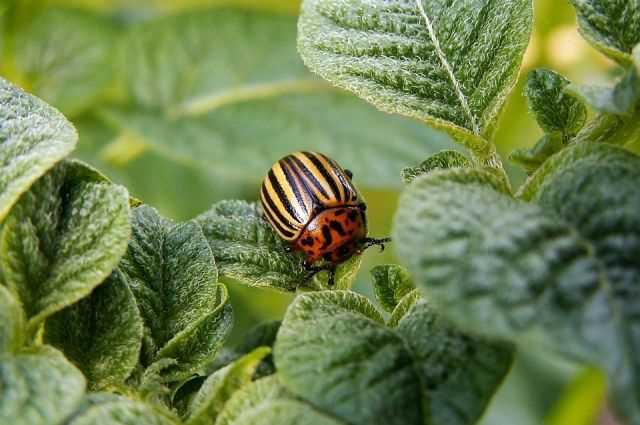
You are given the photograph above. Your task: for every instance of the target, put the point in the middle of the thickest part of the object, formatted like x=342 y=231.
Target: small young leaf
x=12 y=323
x=618 y=100
x=532 y=159
x=62 y=239
x=38 y=387
x=450 y=64
x=173 y=276
x=66 y=56
x=101 y=334
x=612 y=26
x=333 y=346
x=110 y=409
x=441 y=160
x=267 y=402
x=33 y=138
x=220 y=386
x=555 y=109
x=390 y=284
x=247 y=249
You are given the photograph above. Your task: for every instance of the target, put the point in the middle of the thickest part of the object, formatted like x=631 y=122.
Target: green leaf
x=12 y=323
x=33 y=138
x=334 y=350
x=612 y=26
x=532 y=159
x=110 y=409
x=226 y=93
x=449 y=64
x=441 y=160
x=555 y=109
x=601 y=199
x=62 y=239
x=66 y=57
x=220 y=386
x=247 y=249
x=266 y=402
x=173 y=275
x=39 y=387
x=618 y=100
x=390 y=283
x=515 y=270
x=574 y=153
x=101 y=334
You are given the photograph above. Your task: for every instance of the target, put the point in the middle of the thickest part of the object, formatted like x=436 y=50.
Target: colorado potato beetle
x=312 y=203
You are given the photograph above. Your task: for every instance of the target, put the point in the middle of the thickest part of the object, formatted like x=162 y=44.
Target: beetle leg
x=349 y=174
x=369 y=242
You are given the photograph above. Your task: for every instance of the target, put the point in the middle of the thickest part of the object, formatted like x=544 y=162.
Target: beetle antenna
x=369 y=242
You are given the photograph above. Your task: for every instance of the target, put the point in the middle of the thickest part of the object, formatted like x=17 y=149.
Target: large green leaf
x=266 y=402
x=507 y=268
x=218 y=388
x=11 y=322
x=33 y=137
x=62 y=239
x=38 y=387
x=110 y=409
x=334 y=350
x=246 y=248
x=450 y=64
x=612 y=26
x=173 y=276
x=101 y=334
x=225 y=92
x=66 y=57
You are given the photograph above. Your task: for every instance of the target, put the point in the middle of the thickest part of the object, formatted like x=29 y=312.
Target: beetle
x=312 y=204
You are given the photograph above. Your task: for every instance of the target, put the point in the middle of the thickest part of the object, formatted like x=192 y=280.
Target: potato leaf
x=334 y=350
x=66 y=57
x=441 y=160
x=390 y=284
x=173 y=275
x=33 y=138
x=101 y=334
x=39 y=387
x=612 y=26
x=12 y=322
x=110 y=409
x=62 y=239
x=450 y=64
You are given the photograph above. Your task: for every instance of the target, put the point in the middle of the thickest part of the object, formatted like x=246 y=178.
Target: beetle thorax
x=333 y=235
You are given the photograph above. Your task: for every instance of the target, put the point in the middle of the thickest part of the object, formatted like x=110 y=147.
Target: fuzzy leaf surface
x=266 y=401
x=450 y=64
x=334 y=350
x=601 y=200
x=12 y=323
x=612 y=26
x=225 y=92
x=101 y=334
x=515 y=270
x=218 y=388
x=390 y=283
x=39 y=387
x=110 y=409
x=246 y=248
x=620 y=99
x=173 y=275
x=66 y=57
x=555 y=109
x=33 y=138
x=441 y=160
x=531 y=159
x=62 y=239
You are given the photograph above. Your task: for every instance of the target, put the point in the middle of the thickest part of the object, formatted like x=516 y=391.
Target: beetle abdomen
x=299 y=186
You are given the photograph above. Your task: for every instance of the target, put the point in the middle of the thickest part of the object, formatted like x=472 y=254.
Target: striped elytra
x=311 y=202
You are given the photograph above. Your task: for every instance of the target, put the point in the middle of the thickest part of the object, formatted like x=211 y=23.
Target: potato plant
x=111 y=313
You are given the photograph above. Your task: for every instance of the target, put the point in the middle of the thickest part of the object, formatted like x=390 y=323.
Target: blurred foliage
x=122 y=69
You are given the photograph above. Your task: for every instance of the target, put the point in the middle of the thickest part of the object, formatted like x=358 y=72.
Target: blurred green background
x=189 y=102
